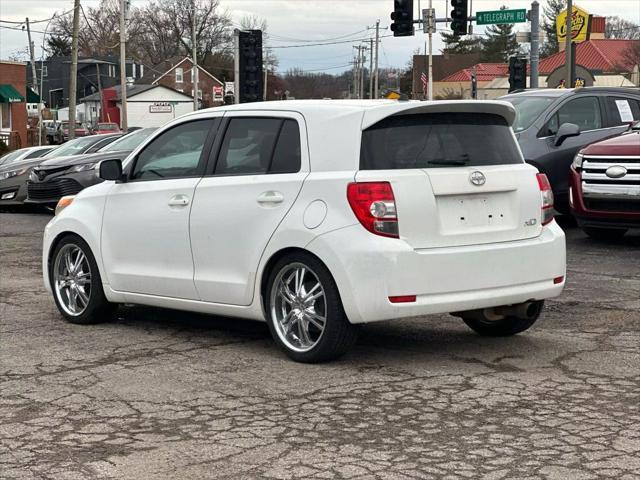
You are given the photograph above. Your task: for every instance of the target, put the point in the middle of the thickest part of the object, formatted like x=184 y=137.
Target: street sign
x=501 y=16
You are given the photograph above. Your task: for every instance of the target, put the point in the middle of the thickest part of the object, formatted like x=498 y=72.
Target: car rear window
x=438 y=140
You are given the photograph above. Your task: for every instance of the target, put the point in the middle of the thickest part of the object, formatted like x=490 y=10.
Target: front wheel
x=491 y=325
x=304 y=310
x=76 y=284
x=605 y=234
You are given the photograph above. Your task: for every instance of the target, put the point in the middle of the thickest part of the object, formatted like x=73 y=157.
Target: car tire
x=505 y=326
x=605 y=234
x=76 y=283
x=302 y=296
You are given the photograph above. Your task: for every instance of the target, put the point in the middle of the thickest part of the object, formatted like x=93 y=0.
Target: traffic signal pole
x=535 y=43
x=567 y=48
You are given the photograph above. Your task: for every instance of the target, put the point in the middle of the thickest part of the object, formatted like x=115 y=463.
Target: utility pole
x=567 y=48
x=123 y=67
x=376 y=67
x=430 y=79
x=34 y=76
x=194 y=74
x=370 y=68
x=363 y=59
x=535 y=43
x=73 y=78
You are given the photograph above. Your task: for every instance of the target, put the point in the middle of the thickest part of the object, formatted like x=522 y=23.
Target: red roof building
x=485 y=72
x=597 y=56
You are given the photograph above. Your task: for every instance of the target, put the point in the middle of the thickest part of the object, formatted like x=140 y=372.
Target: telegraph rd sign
x=501 y=16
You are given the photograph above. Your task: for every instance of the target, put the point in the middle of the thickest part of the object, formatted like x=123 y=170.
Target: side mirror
x=565 y=131
x=111 y=170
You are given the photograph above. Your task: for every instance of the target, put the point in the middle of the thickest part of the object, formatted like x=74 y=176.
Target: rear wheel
x=304 y=310
x=491 y=325
x=76 y=284
x=605 y=234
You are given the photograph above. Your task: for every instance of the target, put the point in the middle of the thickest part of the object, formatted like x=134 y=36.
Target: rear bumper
x=587 y=217
x=369 y=269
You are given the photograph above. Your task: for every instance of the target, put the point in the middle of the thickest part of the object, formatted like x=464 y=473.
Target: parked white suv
x=316 y=216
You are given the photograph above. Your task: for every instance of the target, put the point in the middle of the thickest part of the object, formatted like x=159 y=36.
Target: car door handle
x=271 y=197
x=179 y=201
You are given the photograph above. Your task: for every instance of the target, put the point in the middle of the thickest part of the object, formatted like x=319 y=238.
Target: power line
x=38 y=21
x=355 y=40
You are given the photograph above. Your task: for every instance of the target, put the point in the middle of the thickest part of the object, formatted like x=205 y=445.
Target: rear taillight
x=374 y=206
x=547 y=198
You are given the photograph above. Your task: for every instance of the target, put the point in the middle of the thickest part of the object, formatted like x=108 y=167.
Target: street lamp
x=44 y=38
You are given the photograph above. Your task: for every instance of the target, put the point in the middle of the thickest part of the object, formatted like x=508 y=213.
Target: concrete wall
x=138 y=114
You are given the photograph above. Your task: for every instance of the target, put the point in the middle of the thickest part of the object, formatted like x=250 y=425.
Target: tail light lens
x=547 y=198
x=375 y=207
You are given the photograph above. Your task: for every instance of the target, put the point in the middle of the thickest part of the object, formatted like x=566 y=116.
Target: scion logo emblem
x=477 y=178
x=616 y=171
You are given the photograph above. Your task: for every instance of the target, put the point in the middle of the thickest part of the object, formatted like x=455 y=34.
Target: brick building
x=178 y=76
x=13 y=106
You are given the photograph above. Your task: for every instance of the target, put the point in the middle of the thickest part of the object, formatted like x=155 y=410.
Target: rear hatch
x=458 y=177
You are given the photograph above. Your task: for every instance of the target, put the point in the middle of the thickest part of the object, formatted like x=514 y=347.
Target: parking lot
x=165 y=394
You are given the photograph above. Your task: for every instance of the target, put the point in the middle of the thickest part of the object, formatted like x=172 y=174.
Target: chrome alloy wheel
x=72 y=279
x=298 y=307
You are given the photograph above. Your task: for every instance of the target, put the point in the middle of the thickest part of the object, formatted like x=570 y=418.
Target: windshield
x=438 y=140
x=528 y=109
x=108 y=126
x=10 y=157
x=72 y=147
x=128 y=142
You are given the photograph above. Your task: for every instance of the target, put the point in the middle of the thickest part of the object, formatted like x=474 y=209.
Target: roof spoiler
x=496 y=107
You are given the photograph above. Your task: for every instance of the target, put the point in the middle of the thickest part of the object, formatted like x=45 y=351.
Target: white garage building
x=147 y=105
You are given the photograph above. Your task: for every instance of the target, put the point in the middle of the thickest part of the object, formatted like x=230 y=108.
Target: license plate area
x=476 y=213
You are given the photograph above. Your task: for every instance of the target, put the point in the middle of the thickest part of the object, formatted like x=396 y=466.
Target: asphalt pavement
x=160 y=394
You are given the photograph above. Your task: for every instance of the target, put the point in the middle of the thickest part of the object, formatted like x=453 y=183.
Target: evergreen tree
x=456 y=44
x=499 y=43
x=551 y=11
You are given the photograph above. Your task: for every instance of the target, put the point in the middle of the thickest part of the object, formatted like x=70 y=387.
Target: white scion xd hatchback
x=316 y=216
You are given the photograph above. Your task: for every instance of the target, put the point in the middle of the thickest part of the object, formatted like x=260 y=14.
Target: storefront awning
x=8 y=94
x=32 y=97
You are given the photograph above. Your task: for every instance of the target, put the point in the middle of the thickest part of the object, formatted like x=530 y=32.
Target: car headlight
x=13 y=173
x=577 y=161
x=83 y=167
x=64 y=202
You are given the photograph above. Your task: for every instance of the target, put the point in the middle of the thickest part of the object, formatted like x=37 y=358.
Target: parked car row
x=57 y=132
x=63 y=170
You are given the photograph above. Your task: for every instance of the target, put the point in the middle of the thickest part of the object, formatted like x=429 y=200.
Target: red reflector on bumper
x=558 y=280
x=403 y=299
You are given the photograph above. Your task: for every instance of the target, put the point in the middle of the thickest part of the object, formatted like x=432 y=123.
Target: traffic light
x=459 y=17
x=402 y=17
x=517 y=74
x=250 y=66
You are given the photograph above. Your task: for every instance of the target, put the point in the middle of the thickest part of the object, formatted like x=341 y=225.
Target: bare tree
x=156 y=32
x=616 y=27
x=631 y=56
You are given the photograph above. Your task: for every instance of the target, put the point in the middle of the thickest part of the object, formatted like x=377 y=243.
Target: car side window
x=175 y=153
x=248 y=146
x=37 y=153
x=620 y=107
x=583 y=111
x=286 y=156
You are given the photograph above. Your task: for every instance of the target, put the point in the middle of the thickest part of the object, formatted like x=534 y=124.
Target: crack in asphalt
x=160 y=394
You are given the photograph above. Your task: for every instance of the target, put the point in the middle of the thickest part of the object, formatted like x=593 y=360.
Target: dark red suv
x=605 y=186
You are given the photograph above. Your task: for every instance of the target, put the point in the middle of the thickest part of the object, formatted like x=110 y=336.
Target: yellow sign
x=579 y=25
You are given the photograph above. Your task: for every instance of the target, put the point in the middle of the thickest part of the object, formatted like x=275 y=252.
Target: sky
x=292 y=24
